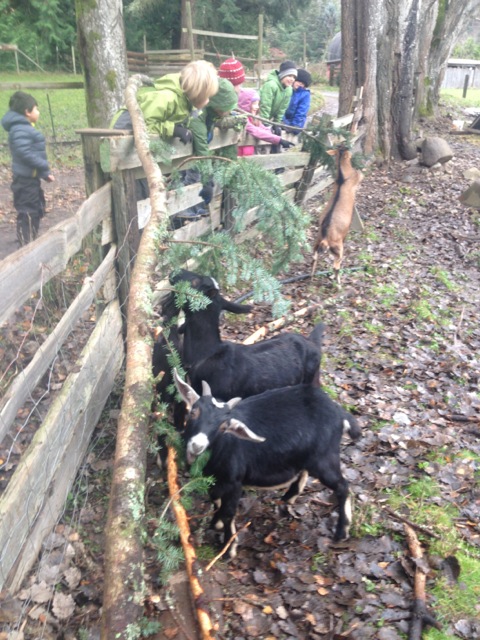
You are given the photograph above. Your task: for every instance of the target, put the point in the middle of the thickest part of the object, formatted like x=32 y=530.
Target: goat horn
x=206 y=391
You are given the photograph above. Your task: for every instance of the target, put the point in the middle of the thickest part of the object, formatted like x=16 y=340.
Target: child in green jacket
x=216 y=113
x=167 y=104
x=276 y=92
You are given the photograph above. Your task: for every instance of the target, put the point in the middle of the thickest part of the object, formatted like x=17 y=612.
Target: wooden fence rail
x=35 y=495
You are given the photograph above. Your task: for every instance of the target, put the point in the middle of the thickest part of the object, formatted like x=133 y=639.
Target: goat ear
x=234 y=307
x=189 y=395
x=233 y=402
x=240 y=430
x=332 y=152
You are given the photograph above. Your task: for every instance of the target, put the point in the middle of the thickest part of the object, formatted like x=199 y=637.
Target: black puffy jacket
x=27 y=146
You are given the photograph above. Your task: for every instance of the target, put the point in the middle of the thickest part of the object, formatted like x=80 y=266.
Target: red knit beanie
x=232 y=69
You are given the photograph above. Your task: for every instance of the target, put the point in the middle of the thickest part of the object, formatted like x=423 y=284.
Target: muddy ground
x=401 y=352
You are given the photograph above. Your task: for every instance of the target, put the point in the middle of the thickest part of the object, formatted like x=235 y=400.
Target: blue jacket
x=27 y=146
x=297 y=110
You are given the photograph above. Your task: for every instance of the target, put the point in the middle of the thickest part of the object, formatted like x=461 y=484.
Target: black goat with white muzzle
x=272 y=440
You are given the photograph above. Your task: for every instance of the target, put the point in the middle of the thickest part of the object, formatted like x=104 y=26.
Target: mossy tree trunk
x=103 y=54
x=348 y=78
x=412 y=41
x=452 y=18
x=124 y=589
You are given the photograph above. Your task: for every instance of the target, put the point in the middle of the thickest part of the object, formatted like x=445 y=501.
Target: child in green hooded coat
x=216 y=113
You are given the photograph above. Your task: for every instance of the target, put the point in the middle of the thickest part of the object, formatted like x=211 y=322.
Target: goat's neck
x=201 y=337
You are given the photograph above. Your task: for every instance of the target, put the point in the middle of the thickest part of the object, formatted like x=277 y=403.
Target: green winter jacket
x=202 y=123
x=162 y=105
x=274 y=98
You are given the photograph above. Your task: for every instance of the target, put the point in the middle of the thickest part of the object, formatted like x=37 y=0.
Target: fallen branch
x=420 y=617
x=207 y=629
x=459 y=418
x=281 y=322
x=411 y=524
x=226 y=547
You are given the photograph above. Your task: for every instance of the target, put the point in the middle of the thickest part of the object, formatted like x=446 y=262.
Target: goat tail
x=351 y=426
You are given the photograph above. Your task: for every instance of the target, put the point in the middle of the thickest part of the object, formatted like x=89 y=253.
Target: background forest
x=46 y=31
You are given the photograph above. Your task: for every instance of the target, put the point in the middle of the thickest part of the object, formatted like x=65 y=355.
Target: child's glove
x=185 y=135
x=286 y=144
x=206 y=193
x=277 y=129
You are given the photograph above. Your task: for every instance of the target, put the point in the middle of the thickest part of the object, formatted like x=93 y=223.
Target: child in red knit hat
x=232 y=69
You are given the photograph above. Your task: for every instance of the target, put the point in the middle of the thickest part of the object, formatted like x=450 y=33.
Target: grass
x=62 y=112
x=454 y=98
x=450 y=602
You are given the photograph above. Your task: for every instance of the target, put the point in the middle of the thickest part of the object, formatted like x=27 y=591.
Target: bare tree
x=450 y=23
x=402 y=47
x=101 y=40
x=348 y=79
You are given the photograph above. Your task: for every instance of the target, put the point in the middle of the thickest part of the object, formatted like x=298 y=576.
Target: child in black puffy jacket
x=29 y=164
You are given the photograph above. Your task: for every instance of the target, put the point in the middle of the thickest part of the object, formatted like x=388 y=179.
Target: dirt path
x=63 y=197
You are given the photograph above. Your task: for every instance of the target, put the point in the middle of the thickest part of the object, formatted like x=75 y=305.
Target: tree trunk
x=101 y=40
x=368 y=18
x=124 y=583
x=348 y=78
x=451 y=21
x=423 y=105
x=184 y=42
x=403 y=100
x=387 y=54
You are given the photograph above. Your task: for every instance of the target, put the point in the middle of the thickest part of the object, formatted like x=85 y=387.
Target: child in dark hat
x=29 y=164
x=297 y=111
x=276 y=91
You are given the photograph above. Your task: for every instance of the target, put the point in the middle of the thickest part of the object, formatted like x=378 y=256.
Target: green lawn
x=62 y=111
x=455 y=97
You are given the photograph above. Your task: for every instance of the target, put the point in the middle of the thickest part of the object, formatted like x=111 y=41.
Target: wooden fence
x=34 y=498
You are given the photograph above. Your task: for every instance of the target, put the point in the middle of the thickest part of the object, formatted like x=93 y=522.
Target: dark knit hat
x=232 y=69
x=287 y=68
x=304 y=77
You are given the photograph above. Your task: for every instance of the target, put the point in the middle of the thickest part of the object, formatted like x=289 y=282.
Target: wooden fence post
x=191 y=43
x=305 y=182
x=124 y=205
x=260 y=47
x=94 y=176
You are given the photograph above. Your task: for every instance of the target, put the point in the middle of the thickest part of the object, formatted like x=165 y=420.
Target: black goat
x=233 y=369
x=270 y=440
x=200 y=334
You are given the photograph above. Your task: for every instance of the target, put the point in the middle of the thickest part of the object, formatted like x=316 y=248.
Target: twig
x=226 y=547
x=194 y=158
x=457 y=329
x=205 y=623
x=411 y=524
x=420 y=616
x=460 y=418
x=302 y=276
x=281 y=322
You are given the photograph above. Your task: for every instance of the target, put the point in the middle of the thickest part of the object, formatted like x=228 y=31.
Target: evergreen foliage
x=166 y=536
x=469 y=49
x=45 y=31
x=281 y=224
x=314 y=27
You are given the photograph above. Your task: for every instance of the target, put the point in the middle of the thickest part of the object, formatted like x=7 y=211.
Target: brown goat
x=337 y=214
